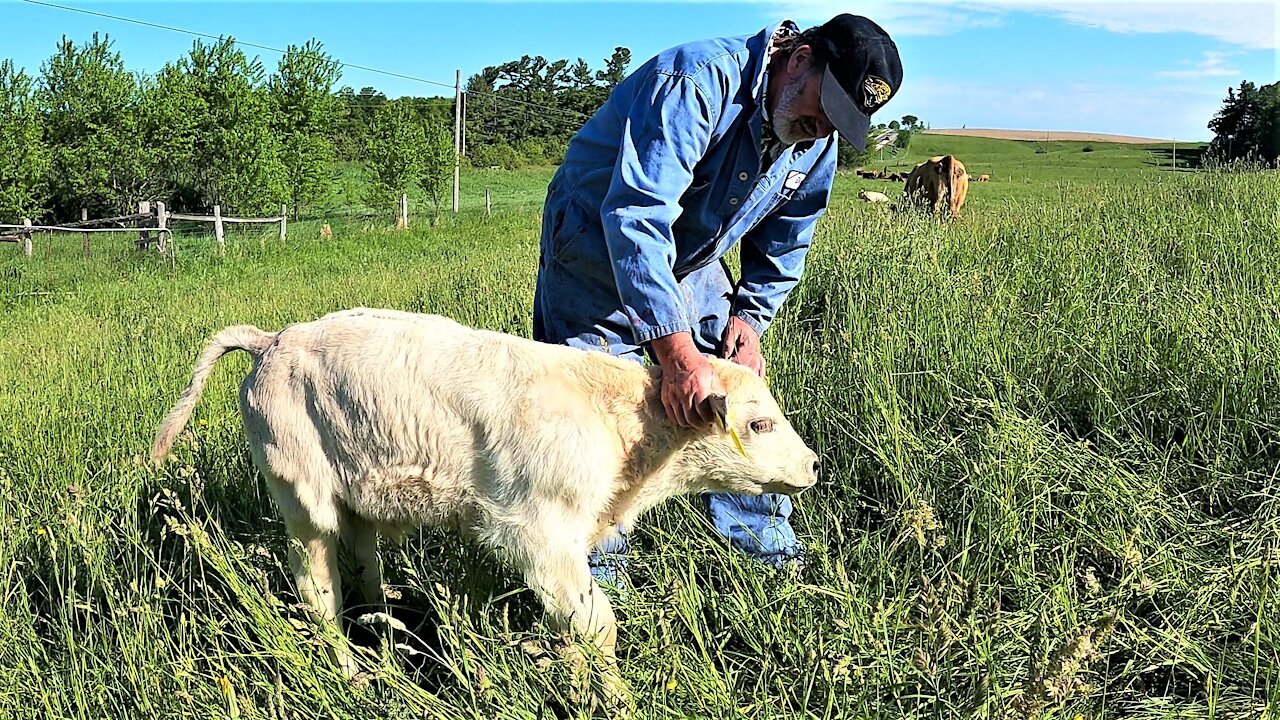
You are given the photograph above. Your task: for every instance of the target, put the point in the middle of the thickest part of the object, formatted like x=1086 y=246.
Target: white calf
x=370 y=421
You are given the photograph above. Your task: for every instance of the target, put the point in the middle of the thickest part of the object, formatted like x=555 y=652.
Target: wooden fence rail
x=161 y=217
x=218 y=219
x=69 y=228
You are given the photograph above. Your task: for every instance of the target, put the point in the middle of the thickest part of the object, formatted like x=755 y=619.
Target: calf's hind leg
x=313 y=557
x=361 y=540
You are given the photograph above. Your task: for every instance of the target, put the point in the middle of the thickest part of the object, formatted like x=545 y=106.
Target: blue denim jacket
x=666 y=177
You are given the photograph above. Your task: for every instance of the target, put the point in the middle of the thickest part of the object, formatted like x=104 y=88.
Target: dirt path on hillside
x=1045 y=136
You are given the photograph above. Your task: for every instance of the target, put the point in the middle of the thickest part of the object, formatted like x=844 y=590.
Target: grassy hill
x=1024 y=168
x=1050 y=433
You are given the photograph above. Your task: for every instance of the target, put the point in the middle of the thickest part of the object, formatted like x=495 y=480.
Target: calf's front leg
x=562 y=580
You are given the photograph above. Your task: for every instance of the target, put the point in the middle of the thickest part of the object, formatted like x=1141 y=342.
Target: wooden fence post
x=144 y=235
x=26 y=237
x=284 y=222
x=84 y=217
x=217 y=229
x=162 y=236
x=488 y=209
x=402 y=215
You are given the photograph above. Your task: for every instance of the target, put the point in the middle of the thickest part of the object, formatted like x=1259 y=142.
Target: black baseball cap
x=863 y=72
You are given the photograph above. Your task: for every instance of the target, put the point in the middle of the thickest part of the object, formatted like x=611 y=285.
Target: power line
x=483 y=94
x=238 y=42
x=479 y=93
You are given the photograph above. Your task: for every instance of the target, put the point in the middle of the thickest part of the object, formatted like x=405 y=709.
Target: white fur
x=369 y=421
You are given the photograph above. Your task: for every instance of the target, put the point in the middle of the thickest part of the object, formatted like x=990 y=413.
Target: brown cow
x=984 y=178
x=938 y=181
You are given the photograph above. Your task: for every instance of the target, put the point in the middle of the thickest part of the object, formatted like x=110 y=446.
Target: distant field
x=1029 y=170
x=1050 y=434
x=1043 y=135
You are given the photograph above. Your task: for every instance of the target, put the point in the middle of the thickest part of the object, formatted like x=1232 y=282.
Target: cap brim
x=843 y=112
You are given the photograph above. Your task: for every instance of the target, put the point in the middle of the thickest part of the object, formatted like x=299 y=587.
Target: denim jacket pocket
x=568 y=228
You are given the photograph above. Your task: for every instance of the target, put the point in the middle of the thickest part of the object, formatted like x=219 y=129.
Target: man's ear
x=800 y=58
x=720 y=408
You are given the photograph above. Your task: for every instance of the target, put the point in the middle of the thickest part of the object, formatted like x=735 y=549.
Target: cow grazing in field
x=378 y=421
x=872 y=196
x=938 y=182
x=984 y=178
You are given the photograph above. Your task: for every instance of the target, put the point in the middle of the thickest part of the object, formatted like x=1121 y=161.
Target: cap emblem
x=876 y=92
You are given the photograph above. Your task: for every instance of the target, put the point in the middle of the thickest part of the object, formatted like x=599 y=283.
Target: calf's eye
x=761 y=425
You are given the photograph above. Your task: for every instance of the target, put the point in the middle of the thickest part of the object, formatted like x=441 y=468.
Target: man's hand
x=741 y=344
x=687 y=380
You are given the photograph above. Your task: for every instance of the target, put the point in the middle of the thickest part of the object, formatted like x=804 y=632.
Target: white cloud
x=1213 y=64
x=1249 y=24
x=1246 y=24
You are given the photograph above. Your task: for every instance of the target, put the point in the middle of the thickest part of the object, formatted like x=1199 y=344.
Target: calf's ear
x=720 y=408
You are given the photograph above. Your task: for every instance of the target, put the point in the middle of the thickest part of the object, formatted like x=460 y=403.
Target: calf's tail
x=236 y=337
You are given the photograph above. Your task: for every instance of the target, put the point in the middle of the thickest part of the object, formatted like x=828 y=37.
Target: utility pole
x=457 y=134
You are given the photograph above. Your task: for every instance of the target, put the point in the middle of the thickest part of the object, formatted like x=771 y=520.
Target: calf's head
x=752 y=449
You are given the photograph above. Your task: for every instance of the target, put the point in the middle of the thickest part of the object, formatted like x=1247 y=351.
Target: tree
x=1248 y=124
x=584 y=94
x=394 y=153
x=351 y=130
x=909 y=121
x=24 y=158
x=535 y=82
x=305 y=114
x=214 y=115
x=435 y=162
x=893 y=125
x=536 y=103
x=615 y=68
x=99 y=160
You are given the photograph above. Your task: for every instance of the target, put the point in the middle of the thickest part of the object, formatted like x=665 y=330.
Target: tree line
x=209 y=128
x=216 y=127
x=1247 y=127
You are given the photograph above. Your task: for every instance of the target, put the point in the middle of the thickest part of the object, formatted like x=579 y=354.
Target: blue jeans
x=577 y=310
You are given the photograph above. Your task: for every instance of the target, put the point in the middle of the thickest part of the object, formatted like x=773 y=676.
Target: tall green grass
x=1049 y=432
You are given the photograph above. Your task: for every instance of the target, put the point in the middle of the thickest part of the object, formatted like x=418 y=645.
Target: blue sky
x=1152 y=69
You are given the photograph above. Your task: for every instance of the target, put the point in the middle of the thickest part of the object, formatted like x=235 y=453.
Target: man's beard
x=786 y=126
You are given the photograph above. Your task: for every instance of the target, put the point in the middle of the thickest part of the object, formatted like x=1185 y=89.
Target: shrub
x=497 y=154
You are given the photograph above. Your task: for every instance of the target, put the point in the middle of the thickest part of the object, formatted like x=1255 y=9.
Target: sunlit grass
x=1049 y=433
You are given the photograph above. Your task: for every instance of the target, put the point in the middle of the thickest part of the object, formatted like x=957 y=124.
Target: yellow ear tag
x=737 y=441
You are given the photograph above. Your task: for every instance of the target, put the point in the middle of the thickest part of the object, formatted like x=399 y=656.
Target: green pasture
x=1051 y=434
